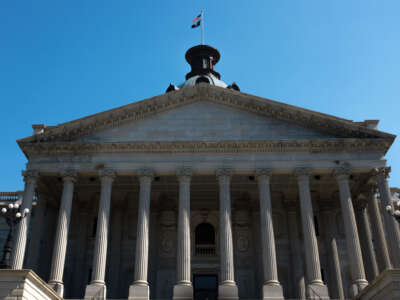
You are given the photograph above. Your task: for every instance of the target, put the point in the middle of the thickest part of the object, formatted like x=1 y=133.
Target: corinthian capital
x=30 y=175
x=145 y=172
x=107 y=173
x=68 y=175
x=224 y=172
x=302 y=171
x=263 y=172
x=184 y=174
x=381 y=172
x=342 y=172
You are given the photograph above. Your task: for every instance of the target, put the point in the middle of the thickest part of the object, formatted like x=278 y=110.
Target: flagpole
x=202 y=27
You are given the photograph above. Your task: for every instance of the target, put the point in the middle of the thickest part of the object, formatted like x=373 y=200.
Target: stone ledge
x=385 y=286
x=24 y=285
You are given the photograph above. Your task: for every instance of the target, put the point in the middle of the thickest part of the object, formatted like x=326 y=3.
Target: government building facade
x=206 y=192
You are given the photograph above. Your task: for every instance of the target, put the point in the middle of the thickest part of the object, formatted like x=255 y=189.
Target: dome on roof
x=202 y=59
x=209 y=78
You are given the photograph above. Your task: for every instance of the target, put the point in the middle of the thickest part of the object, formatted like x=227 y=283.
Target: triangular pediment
x=204 y=113
x=204 y=121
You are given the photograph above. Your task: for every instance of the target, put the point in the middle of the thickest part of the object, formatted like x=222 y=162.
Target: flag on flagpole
x=197 y=21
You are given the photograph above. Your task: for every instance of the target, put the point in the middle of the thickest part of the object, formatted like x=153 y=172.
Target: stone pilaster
x=295 y=248
x=97 y=288
x=61 y=239
x=139 y=290
x=183 y=289
x=18 y=255
x=381 y=247
x=352 y=240
x=227 y=288
x=315 y=287
x=391 y=225
x=364 y=229
x=328 y=212
x=272 y=288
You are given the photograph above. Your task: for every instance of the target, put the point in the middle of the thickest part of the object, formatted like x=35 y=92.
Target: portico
x=206 y=184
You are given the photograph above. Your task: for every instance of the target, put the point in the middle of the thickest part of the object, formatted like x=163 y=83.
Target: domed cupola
x=202 y=59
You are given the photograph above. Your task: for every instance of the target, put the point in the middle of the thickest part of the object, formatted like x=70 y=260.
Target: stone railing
x=205 y=250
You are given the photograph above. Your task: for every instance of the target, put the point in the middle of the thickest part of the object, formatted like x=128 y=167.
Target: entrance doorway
x=205 y=287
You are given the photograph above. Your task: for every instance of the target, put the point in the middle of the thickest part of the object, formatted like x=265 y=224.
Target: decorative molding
x=61 y=134
x=261 y=146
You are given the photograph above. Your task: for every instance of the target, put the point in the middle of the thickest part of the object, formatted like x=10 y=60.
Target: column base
x=58 y=287
x=317 y=291
x=228 y=292
x=95 y=291
x=273 y=292
x=357 y=287
x=139 y=291
x=183 y=292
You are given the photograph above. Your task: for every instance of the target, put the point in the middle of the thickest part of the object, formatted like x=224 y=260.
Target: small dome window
x=202 y=79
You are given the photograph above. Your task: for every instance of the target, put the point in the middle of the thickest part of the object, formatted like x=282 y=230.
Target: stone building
x=209 y=191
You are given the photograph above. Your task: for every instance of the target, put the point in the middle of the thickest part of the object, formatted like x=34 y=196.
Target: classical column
x=18 y=255
x=183 y=288
x=295 y=249
x=368 y=253
x=381 y=248
x=392 y=228
x=328 y=212
x=139 y=290
x=37 y=231
x=272 y=288
x=352 y=241
x=61 y=239
x=227 y=288
x=315 y=286
x=97 y=286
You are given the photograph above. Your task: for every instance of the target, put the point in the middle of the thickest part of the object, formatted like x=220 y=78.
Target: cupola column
x=227 y=288
x=352 y=239
x=97 y=287
x=315 y=286
x=391 y=225
x=17 y=259
x=183 y=290
x=272 y=288
x=61 y=239
x=139 y=290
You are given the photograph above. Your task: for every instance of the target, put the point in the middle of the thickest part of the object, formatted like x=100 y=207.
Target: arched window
x=204 y=237
x=202 y=79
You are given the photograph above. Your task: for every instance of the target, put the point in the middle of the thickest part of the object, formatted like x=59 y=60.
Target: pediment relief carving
x=140 y=110
x=270 y=146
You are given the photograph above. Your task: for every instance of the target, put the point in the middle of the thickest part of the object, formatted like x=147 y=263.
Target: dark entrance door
x=205 y=287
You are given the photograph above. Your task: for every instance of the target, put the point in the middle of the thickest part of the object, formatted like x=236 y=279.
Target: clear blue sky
x=62 y=60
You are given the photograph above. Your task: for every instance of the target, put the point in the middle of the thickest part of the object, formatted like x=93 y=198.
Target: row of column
x=227 y=289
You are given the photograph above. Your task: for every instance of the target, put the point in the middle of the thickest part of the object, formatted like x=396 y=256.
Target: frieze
x=270 y=146
x=143 y=109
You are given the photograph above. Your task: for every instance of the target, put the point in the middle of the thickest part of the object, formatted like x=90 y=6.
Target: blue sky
x=62 y=60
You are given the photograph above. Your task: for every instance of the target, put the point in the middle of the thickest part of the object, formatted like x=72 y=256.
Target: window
x=204 y=237
x=202 y=79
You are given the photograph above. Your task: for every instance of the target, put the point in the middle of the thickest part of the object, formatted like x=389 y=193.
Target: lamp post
x=394 y=209
x=13 y=215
